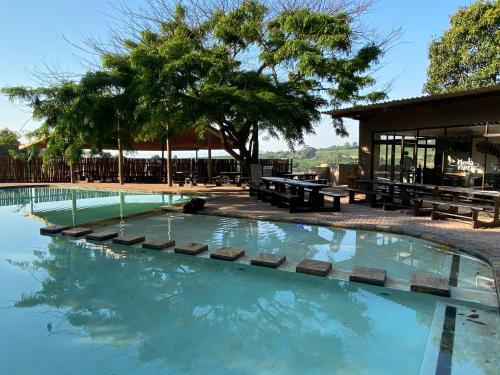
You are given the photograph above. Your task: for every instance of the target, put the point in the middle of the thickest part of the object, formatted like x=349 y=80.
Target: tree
x=467 y=54
x=248 y=69
x=8 y=142
x=93 y=113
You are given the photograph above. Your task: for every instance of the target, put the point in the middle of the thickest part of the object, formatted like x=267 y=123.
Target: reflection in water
x=196 y=317
x=399 y=255
x=74 y=206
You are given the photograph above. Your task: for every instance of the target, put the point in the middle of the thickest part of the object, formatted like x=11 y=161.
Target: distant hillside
x=308 y=157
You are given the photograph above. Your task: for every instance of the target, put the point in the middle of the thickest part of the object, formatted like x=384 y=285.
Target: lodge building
x=446 y=139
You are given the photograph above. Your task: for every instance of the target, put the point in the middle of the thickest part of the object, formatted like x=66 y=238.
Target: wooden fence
x=134 y=170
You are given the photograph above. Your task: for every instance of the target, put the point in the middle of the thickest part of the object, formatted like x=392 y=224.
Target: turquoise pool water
x=74 y=206
x=75 y=308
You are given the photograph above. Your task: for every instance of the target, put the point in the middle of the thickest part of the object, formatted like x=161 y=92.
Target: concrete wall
x=424 y=115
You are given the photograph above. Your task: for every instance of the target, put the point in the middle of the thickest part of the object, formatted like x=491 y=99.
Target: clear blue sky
x=32 y=29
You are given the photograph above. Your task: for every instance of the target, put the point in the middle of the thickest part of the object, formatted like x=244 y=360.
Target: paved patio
x=234 y=201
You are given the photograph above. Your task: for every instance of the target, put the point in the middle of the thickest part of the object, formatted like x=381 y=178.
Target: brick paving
x=235 y=202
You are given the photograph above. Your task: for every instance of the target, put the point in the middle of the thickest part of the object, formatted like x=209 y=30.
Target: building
x=446 y=139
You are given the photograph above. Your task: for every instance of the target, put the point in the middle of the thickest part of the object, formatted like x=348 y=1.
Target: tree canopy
x=8 y=142
x=467 y=54
x=241 y=68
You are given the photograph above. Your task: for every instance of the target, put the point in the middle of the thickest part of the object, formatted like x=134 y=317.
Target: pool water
x=72 y=307
x=75 y=206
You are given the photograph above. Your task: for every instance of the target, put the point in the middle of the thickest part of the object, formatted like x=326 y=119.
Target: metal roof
x=357 y=112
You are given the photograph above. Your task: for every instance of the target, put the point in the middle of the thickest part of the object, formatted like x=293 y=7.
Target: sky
x=34 y=33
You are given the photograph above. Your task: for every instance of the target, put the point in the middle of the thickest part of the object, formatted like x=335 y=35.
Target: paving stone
x=429 y=285
x=128 y=239
x=373 y=276
x=101 y=236
x=227 y=253
x=314 y=267
x=267 y=260
x=158 y=244
x=53 y=229
x=77 y=232
x=191 y=248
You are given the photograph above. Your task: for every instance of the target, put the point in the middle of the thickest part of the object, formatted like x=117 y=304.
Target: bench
x=371 y=195
x=388 y=200
x=279 y=198
x=264 y=194
x=453 y=211
x=336 y=195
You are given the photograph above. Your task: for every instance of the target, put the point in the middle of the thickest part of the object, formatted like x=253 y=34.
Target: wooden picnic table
x=301 y=175
x=232 y=175
x=458 y=193
x=298 y=187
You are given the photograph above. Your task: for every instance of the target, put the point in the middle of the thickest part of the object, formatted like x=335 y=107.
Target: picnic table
x=460 y=198
x=297 y=187
x=301 y=175
x=232 y=177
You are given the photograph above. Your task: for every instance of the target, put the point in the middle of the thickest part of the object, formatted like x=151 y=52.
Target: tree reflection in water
x=170 y=307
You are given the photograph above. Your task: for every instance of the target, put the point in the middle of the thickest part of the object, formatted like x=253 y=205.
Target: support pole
x=120 y=163
x=209 y=167
x=169 y=163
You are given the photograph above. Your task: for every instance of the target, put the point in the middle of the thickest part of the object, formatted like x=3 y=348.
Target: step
x=227 y=253
x=314 y=267
x=268 y=260
x=191 y=248
x=101 y=236
x=158 y=244
x=77 y=232
x=129 y=239
x=367 y=275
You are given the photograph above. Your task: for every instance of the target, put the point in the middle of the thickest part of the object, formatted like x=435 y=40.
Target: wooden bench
x=371 y=195
x=279 y=198
x=336 y=195
x=388 y=200
x=453 y=211
x=264 y=194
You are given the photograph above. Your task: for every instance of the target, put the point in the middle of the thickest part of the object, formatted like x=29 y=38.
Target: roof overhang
x=365 y=111
x=186 y=140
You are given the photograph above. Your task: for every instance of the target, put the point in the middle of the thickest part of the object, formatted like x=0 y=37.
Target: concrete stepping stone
x=268 y=260
x=158 y=244
x=314 y=267
x=367 y=275
x=128 y=239
x=191 y=248
x=77 y=232
x=430 y=285
x=101 y=236
x=53 y=229
x=227 y=253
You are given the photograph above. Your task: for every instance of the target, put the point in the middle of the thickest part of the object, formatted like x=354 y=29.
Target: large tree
x=250 y=69
x=467 y=55
x=8 y=142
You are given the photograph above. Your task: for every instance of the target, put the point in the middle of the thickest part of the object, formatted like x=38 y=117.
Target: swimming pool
x=69 y=306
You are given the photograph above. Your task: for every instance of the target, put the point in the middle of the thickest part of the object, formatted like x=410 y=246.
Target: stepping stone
x=53 y=229
x=77 y=232
x=191 y=248
x=158 y=244
x=429 y=285
x=227 y=253
x=101 y=236
x=267 y=260
x=314 y=267
x=128 y=239
x=373 y=276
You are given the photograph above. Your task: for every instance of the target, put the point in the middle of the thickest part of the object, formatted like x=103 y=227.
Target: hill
x=308 y=156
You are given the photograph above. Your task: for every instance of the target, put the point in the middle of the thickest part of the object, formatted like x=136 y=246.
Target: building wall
x=424 y=115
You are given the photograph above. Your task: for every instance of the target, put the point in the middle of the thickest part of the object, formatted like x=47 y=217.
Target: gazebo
x=186 y=140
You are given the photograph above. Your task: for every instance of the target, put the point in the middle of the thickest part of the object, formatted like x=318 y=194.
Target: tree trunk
x=169 y=163
x=120 y=163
